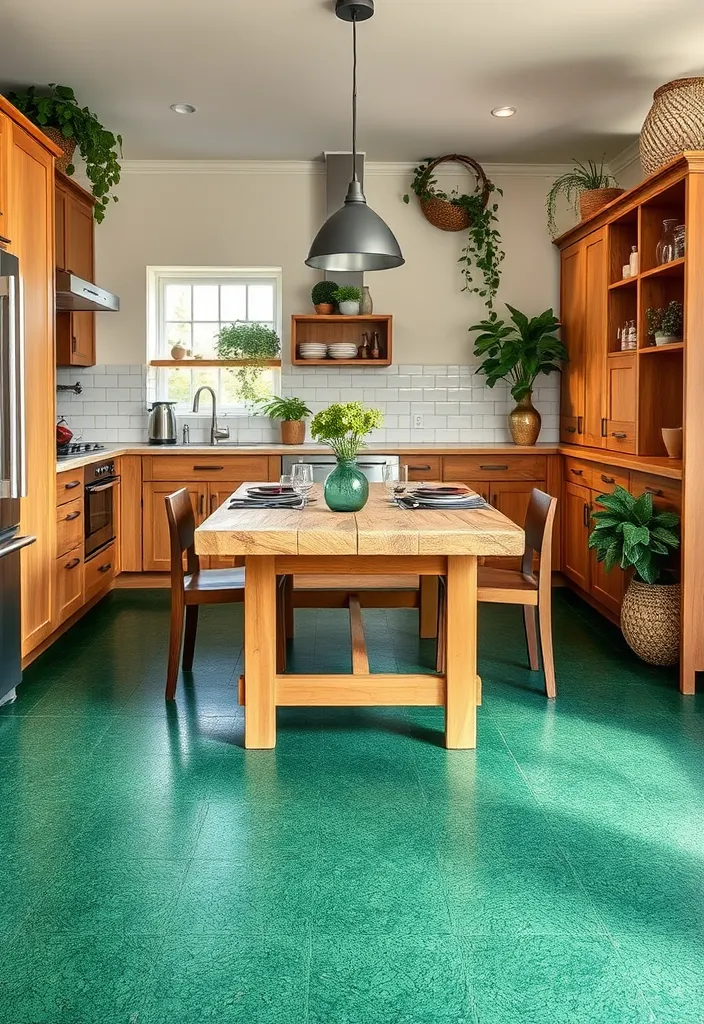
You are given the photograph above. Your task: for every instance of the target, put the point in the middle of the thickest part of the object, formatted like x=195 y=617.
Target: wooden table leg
x=428 y=599
x=260 y=651
x=461 y=664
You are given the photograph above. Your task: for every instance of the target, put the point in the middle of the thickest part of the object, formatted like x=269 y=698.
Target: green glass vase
x=346 y=488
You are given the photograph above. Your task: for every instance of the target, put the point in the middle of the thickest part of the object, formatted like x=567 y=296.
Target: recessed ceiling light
x=503 y=111
x=183 y=108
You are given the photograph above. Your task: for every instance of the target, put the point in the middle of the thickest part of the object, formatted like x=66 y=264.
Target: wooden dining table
x=380 y=539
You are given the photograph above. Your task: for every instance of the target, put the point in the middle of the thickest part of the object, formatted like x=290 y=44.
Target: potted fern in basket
x=587 y=188
x=292 y=413
x=629 y=533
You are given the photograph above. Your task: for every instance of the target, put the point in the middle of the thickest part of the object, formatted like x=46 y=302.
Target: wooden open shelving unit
x=336 y=328
x=190 y=363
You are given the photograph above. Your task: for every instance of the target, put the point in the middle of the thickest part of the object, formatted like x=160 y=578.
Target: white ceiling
x=271 y=78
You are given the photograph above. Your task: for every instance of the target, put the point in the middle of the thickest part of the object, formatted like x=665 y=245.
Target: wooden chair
x=514 y=586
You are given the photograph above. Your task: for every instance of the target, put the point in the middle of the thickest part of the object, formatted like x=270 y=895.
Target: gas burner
x=73 y=449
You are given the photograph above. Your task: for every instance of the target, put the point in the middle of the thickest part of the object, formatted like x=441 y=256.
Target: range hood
x=74 y=295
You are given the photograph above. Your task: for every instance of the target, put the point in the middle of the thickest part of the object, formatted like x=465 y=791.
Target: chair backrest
x=540 y=518
x=182 y=527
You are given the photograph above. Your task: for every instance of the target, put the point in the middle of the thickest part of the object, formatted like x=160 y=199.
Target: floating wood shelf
x=626 y=282
x=337 y=328
x=677 y=346
x=190 y=363
x=675 y=268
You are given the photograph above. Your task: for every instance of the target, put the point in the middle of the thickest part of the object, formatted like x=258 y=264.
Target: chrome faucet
x=216 y=433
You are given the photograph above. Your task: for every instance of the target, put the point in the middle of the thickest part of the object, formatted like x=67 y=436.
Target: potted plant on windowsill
x=323 y=296
x=348 y=299
x=629 y=533
x=343 y=427
x=587 y=188
x=60 y=117
x=292 y=413
x=517 y=354
x=665 y=325
x=255 y=343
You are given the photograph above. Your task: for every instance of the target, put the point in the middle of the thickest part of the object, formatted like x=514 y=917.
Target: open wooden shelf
x=214 y=362
x=336 y=328
x=674 y=347
x=672 y=269
x=625 y=282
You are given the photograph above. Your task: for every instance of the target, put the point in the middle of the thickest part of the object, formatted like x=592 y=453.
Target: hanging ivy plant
x=476 y=213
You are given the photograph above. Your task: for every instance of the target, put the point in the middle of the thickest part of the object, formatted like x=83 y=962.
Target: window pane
x=231 y=385
x=205 y=302
x=178 y=334
x=179 y=386
x=261 y=302
x=204 y=336
x=207 y=376
x=178 y=302
x=233 y=302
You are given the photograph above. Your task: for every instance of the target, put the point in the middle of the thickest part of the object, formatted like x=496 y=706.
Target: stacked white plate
x=342 y=350
x=313 y=350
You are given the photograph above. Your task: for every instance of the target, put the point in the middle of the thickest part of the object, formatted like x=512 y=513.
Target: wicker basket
x=650 y=621
x=674 y=123
x=444 y=215
x=595 y=199
x=68 y=147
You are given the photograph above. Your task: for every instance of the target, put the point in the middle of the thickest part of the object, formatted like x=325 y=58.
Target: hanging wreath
x=475 y=212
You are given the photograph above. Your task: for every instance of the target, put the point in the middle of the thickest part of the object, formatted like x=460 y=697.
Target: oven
x=101 y=493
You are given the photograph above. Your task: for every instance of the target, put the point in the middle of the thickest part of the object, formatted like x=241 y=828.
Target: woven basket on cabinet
x=650 y=621
x=444 y=215
x=674 y=123
x=595 y=199
x=67 y=146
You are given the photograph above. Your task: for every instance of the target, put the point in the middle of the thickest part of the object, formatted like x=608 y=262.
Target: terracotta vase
x=650 y=621
x=324 y=309
x=674 y=123
x=524 y=421
x=293 y=431
x=672 y=438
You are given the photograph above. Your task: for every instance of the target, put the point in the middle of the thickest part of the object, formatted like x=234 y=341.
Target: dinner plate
x=269 y=489
x=439 y=492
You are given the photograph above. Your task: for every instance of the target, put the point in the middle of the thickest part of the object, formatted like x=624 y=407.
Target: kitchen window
x=187 y=307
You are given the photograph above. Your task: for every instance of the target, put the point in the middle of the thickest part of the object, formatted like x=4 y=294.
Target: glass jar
x=346 y=488
x=680 y=235
x=665 y=250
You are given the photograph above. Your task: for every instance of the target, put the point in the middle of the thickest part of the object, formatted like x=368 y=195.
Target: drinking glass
x=285 y=480
x=395 y=480
x=302 y=479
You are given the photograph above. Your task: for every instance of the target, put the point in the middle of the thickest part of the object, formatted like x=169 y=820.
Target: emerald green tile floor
x=153 y=871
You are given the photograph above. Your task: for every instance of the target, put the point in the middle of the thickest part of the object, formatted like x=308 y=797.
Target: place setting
x=445 y=497
x=291 y=492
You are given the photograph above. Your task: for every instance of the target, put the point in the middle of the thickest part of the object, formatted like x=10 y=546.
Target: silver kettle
x=162 y=423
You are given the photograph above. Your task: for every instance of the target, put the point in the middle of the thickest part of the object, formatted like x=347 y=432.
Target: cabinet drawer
x=605 y=478
x=69 y=526
x=422 y=467
x=621 y=436
x=578 y=471
x=667 y=494
x=494 y=467
x=206 y=467
x=68 y=584
x=100 y=571
x=69 y=485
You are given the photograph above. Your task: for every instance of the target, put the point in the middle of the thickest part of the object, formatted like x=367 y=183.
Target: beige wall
x=269 y=219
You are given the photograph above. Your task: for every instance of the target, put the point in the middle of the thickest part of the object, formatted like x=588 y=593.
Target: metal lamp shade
x=354 y=239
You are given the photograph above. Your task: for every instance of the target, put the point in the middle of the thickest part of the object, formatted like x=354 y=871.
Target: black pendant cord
x=354 y=96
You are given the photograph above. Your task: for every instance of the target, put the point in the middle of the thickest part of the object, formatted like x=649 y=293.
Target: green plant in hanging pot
x=348 y=298
x=474 y=212
x=665 y=325
x=517 y=352
x=323 y=296
x=292 y=412
x=630 y=534
x=343 y=427
x=67 y=124
x=587 y=188
x=252 y=342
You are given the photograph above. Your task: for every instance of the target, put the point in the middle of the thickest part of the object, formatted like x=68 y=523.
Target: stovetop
x=75 y=448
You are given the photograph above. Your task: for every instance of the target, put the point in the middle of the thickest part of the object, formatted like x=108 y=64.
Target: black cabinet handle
x=654 y=490
x=570 y=430
x=619 y=434
x=580 y=424
x=203 y=469
x=105 y=568
x=577 y=472
x=608 y=479
x=585 y=514
x=73 y=563
x=419 y=468
x=73 y=483
x=72 y=515
x=493 y=467
x=604 y=427
x=202 y=504
x=5 y=241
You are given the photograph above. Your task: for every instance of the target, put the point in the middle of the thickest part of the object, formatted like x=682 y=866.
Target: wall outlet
x=417 y=420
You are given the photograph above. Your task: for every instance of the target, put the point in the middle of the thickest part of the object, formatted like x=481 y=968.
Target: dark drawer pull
x=105 y=568
x=585 y=514
x=4 y=240
x=654 y=490
x=608 y=479
x=418 y=468
x=202 y=469
x=73 y=483
x=493 y=467
x=73 y=563
x=570 y=430
x=619 y=434
x=72 y=515
x=577 y=472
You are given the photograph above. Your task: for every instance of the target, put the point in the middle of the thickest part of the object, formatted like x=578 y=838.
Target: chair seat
x=212 y=580
x=505 y=586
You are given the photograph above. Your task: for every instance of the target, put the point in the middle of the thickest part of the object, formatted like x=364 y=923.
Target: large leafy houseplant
x=573 y=184
x=292 y=413
x=254 y=343
x=628 y=532
x=343 y=427
x=98 y=146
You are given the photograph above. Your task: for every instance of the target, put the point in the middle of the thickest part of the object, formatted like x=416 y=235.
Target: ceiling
x=271 y=78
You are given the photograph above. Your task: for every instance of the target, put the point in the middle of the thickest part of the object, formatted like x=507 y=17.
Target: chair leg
x=441 y=655
x=545 y=622
x=189 y=640
x=281 y=620
x=531 y=628
x=175 y=636
x=288 y=608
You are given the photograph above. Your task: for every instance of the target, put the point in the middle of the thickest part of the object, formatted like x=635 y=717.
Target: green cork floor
x=153 y=871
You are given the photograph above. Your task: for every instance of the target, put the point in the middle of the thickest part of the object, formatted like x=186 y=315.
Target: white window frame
x=157 y=278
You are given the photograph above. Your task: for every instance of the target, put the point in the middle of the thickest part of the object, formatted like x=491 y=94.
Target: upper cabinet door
x=5 y=129
x=572 y=319
x=79 y=238
x=595 y=319
x=60 y=203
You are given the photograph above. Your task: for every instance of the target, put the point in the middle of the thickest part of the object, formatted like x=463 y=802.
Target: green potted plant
x=67 y=124
x=323 y=296
x=292 y=413
x=517 y=353
x=254 y=343
x=348 y=299
x=665 y=324
x=587 y=188
x=343 y=427
x=629 y=533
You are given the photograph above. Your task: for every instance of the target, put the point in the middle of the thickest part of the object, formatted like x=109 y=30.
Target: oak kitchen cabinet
x=74 y=247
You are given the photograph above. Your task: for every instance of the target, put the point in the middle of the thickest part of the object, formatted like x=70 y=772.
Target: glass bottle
x=665 y=250
x=632 y=335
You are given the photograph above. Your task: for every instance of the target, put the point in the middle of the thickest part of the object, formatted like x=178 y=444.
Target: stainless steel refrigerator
x=12 y=471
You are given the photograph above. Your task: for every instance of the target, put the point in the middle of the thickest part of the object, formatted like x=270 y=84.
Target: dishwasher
x=371 y=464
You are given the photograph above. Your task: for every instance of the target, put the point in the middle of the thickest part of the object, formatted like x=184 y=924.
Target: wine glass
x=302 y=480
x=285 y=480
x=395 y=480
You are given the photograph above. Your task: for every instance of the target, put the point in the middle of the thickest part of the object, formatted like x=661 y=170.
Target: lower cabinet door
x=576 y=556
x=217 y=495
x=68 y=584
x=607 y=588
x=100 y=571
x=512 y=498
x=156 y=549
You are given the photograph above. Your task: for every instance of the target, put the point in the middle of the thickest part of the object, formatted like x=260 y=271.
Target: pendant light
x=355 y=238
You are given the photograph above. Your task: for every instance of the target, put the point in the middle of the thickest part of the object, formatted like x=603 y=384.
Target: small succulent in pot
x=323 y=296
x=348 y=298
x=292 y=413
x=665 y=325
